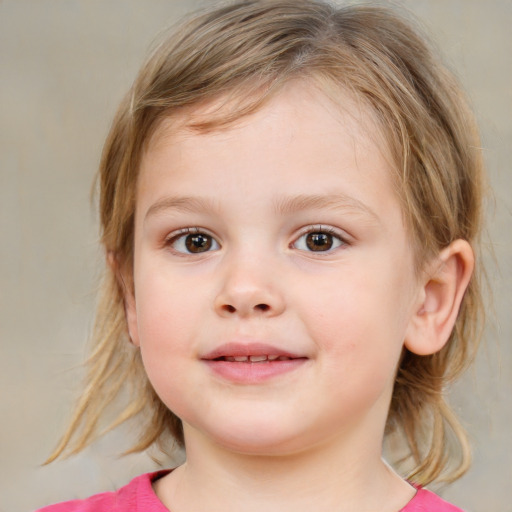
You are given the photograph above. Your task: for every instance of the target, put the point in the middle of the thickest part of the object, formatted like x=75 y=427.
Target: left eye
x=194 y=243
x=318 y=241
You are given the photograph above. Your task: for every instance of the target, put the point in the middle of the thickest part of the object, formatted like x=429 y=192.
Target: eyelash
x=335 y=241
x=182 y=235
x=340 y=240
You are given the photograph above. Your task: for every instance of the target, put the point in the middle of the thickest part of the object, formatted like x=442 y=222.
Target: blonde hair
x=247 y=51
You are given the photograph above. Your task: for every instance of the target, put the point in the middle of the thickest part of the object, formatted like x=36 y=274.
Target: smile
x=252 y=363
x=253 y=359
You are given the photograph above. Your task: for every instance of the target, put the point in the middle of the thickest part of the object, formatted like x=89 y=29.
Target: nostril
x=228 y=308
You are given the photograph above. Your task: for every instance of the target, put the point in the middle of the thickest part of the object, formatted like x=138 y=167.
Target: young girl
x=290 y=203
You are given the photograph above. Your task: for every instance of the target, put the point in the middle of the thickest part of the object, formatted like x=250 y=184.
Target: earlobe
x=128 y=298
x=440 y=296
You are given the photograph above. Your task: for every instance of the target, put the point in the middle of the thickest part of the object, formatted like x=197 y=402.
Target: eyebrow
x=282 y=206
x=343 y=202
x=183 y=204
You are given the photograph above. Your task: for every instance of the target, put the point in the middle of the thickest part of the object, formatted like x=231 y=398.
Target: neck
x=339 y=475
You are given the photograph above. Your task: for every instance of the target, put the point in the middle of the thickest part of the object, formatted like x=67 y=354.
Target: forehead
x=299 y=136
x=237 y=108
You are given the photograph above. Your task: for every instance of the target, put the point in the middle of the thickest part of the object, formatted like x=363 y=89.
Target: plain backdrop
x=64 y=65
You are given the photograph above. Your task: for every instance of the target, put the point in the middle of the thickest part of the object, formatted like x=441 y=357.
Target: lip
x=248 y=349
x=248 y=372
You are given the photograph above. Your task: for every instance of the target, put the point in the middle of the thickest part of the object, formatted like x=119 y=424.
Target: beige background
x=64 y=65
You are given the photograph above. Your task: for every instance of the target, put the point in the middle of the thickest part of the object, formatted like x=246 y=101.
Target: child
x=290 y=202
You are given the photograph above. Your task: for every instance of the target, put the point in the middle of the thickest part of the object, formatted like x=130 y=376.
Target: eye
x=190 y=241
x=319 y=240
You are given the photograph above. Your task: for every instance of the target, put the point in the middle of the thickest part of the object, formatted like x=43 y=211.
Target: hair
x=246 y=51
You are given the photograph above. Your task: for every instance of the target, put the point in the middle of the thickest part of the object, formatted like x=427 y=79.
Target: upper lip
x=236 y=349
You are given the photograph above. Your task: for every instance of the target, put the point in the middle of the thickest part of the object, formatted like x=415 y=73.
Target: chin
x=262 y=447
x=258 y=439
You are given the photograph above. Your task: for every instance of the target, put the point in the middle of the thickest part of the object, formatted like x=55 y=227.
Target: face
x=273 y=276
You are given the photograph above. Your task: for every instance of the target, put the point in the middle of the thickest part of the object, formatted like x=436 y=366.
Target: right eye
x=193 y=242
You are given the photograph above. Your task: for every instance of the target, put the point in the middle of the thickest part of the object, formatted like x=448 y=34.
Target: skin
x=309 y=438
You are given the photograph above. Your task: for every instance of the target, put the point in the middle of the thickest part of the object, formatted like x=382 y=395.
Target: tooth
x=272 y=358
x=230 y=359
x=257 y=359
x=283 y=358
x=240 y=359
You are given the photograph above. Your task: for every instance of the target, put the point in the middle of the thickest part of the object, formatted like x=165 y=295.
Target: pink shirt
x=138 y=496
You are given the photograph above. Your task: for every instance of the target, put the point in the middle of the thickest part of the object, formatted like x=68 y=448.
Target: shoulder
x=427 y=501
x=136 y=496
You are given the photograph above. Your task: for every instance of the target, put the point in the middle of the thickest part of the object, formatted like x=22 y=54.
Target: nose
x=250 y=288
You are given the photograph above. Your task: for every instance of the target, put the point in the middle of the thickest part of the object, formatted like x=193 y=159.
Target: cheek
x=167 y=308
x=362 y=319
x=164 y=320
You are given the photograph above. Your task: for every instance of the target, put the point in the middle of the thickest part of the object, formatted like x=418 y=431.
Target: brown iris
x=319 y=241
x=198 y=242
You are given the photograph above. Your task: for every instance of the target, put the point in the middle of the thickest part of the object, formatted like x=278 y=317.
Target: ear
x=439 y=298
x=130 y=310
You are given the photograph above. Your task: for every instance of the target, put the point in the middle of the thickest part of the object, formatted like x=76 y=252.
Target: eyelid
x=184 y=231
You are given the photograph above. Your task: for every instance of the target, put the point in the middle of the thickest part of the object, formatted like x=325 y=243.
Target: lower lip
x=253 y=373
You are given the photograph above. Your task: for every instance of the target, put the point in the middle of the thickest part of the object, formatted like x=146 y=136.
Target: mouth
x=254 y=359
x=252 y=363
x=250 y=353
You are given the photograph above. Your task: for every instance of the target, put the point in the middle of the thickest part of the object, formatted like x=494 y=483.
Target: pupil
x=319 y=241
x=198 y=243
